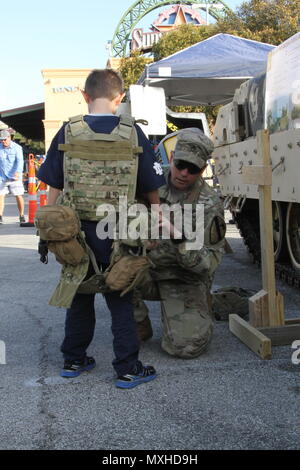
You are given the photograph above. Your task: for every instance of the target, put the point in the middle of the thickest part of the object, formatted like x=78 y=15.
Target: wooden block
x=282 y=335
x=254 y=339
x=293 y=321
x=257 y=174
x=263 y=313
x=259 y=309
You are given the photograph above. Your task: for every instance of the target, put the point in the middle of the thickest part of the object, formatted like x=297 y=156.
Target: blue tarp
x=218 y=65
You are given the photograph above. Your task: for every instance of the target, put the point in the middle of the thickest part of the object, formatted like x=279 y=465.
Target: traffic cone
x=43 y=193
x=32 y=196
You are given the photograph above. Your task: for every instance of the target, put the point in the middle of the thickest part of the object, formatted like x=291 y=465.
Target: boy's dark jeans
x=80 y=326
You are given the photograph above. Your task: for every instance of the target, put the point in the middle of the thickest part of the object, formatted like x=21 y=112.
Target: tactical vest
x=99 y=168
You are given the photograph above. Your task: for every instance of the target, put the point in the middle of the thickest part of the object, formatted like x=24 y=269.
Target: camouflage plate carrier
x=99 y=168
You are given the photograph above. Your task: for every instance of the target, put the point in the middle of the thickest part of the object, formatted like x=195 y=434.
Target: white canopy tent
x=208 y=72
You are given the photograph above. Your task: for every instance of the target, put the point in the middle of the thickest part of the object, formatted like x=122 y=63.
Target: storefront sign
x=65 y=89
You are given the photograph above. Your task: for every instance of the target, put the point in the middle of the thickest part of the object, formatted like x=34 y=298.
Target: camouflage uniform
x=182 y=278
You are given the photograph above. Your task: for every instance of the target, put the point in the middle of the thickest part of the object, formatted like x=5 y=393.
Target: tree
x=180 y=38
x=270 y=21
x=131 y=68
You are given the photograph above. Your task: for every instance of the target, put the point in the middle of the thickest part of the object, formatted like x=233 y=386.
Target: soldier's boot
x=144 y=329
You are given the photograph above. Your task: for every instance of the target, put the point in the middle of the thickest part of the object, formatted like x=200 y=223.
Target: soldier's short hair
x=104 y=83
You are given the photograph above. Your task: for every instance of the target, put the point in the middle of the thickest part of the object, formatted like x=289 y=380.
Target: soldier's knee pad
x=187 y=348
x=187 y=323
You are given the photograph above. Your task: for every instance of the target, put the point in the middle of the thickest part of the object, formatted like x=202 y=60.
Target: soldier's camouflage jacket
x=176 y=261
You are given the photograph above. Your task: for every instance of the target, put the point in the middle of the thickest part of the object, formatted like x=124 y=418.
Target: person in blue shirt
x=103 y=93
x=11 y=172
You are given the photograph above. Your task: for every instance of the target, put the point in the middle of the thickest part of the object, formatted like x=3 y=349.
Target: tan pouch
x=127 y=273
x=57 y=223
x=69 y=252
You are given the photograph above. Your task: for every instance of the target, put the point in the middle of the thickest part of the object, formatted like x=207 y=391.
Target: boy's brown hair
x=104 y=83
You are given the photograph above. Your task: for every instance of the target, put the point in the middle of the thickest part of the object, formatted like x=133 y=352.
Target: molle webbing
x=100 y=150
x=99 y=168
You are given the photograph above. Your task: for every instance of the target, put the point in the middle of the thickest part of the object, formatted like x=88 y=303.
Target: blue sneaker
x=139 y=375
x=75 y=368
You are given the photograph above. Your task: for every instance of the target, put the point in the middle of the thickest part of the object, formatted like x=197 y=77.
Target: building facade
x=63 y=98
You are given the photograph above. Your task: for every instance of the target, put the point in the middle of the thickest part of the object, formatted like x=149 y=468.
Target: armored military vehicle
x=271 y=101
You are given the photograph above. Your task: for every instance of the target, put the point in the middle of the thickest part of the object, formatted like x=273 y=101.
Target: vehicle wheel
x=293 y=233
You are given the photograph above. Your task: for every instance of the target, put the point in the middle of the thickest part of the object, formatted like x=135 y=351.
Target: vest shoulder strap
x=78 y=117
x=124 y=130
x=125 y=126
x=77 y=125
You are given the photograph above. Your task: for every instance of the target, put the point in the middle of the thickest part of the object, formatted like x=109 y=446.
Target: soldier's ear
x=171 y=156
x=203 y=169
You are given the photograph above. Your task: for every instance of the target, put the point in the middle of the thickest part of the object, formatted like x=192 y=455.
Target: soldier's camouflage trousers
x=186 y=315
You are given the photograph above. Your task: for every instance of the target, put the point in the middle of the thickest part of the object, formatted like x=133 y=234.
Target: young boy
x=103 y=93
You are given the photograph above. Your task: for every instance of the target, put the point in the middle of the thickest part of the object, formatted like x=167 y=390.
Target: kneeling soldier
x=182 y=277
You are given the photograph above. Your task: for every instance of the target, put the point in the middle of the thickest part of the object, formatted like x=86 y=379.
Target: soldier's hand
x=151 y=244
x=43 y=251
x=168 y=228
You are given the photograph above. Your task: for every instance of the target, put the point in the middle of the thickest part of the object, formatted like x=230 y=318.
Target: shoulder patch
x=217 y=230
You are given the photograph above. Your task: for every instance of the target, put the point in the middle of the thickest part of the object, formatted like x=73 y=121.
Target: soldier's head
x=105 y=85
x=5 y=138
x=188 y=161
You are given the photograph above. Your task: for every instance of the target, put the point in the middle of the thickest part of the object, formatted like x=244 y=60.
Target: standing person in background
x=11 y=172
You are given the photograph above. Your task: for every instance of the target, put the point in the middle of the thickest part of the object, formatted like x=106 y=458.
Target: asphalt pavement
x=227 y=399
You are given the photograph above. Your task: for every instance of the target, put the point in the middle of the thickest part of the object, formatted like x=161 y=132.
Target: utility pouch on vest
x=70 y=252
x=60 y=226
x=127 y=273
x=57 y=223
